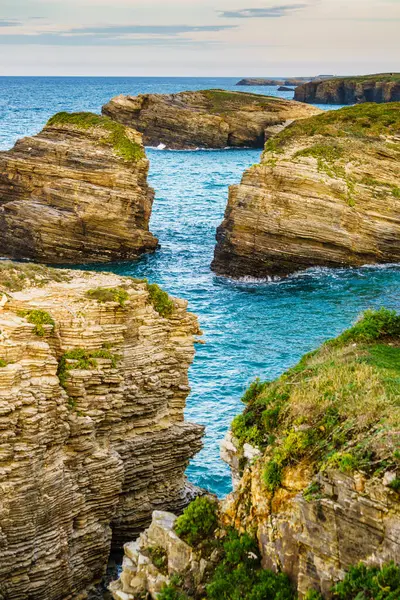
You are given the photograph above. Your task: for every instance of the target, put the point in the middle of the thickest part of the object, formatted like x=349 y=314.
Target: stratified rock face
x=322 y=488
x=327 y=192
x=93 y=383
x=205 y=119
x=77 y=192
x=351 y=90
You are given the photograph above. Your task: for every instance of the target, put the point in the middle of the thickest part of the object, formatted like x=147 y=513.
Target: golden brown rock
x=351 y=90
x=206 y=119
x=327 y=192
x=77 y=192
x=93 y=383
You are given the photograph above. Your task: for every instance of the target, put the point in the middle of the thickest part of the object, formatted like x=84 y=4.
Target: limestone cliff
x=205 y=119
x=268 y=82
x=76 y=192
x=93 y=383
x=316 y=462
x=351 y=90
x=327 y=192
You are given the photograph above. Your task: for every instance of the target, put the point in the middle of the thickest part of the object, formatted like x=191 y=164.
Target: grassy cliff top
x=363 y=122
x=116 y=134
x=379 y=77
x=339 y=407
x=15 y=277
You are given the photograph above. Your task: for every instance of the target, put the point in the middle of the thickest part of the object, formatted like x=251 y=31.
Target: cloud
x=9 y=23
x=265 y=13
x=114 y=35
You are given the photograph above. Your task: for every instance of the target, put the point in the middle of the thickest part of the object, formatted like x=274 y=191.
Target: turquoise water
x=250 y=328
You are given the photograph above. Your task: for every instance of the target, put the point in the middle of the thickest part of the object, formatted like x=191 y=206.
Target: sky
x=233 y=38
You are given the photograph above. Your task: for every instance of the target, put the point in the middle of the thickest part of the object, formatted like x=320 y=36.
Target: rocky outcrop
x=316 y=469
x=351 y=90
x=327 y=192
x=274 y=82
x=205 y=119
x=93 y=383
x=76 y=193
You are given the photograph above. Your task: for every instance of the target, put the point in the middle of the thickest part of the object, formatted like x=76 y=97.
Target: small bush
x=104 y=295
x=160 y=300
x=3 y=363
x=82 y=360
x=159 y=558
x=313 y=595
x=369 y=583
x=170 y=592
x=38 y=318
x=198 y=521
x=272 y=476
x=395 y=484
x=253 y=391
x=373 y=325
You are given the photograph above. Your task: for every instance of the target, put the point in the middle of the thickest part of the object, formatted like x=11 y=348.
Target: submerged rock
x=93 y=384
x=326 y=193
x=351 y=90
x=205 y=119
x=76 y=192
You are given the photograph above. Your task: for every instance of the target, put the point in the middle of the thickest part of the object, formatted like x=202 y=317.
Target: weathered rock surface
x=205 y=119
x=351 y=90
x=76 y=192
x=175 y=557
x=327 y=192
x=93 y=437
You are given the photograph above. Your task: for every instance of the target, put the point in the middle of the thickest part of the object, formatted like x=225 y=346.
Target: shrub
x=272 y=476
x=369 y=583
x=159 y=558
x=170 y=592
x=198 y=521
x=3 y=363
x=82 y=359
x=395 y=484
x=254 y=390
x=160 y=300
x=38 y=318
x=103 y=295
x=373 y=325
x=313 y=595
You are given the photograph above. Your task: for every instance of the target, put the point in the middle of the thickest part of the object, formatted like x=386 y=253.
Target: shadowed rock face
x=205 y=119
x=351 y=90
x=327 y=192
x=77 y=192
x=91 y=419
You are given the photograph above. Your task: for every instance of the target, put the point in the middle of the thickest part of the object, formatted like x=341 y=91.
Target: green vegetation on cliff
x=222 y=101
x=160 y=300
x=364 y=121
x=115 y=133
x=82 y=359
x=339 y=407
x=39 y=318
x=15 y=277
x=103 y=295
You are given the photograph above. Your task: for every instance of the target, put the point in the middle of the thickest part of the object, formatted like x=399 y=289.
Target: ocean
x=251 y=328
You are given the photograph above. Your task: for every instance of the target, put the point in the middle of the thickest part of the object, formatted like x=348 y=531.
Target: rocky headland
x=326 y=193
x=93 y=384
x=315 y=511
x=273 y=82
x=351 y=90
x=76 y=193
x=206 y=119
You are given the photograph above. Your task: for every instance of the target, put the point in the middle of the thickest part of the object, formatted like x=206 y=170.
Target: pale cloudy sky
x=199 y=37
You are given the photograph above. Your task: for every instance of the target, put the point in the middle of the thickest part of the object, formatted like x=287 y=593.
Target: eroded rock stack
x=326 y=193
x=93 y=383
x=206 y=119
x=351 y=90
x=76 y=192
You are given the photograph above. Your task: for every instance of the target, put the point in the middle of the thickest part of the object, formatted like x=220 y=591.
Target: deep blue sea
x=250 y=328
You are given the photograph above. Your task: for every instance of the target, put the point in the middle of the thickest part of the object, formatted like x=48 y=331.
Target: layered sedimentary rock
x=93 y=383
x=351 y=90
x=321 y=487
x=205 y=119
x=327 y=192
x=76 y=192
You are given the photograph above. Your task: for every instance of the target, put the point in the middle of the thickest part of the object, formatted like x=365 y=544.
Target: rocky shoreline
x=351 y=90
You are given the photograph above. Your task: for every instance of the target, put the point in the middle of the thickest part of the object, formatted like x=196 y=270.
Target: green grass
x=160 y=300
x=159 y=558
x=222 y=102
x=82 y=359
x=103 y=295
x=3 y=363
x=15 y=277
x=338 y=408
x=39 y=318
x=115 y=133
x=363 y=121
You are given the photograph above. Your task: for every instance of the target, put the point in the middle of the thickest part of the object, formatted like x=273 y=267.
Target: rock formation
x=351 y=90
x=77 y=192
x=273 y=82
x=322 y=485
x=205 y=119
x=327 y=192
x=316 y=464
x=93 y=383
